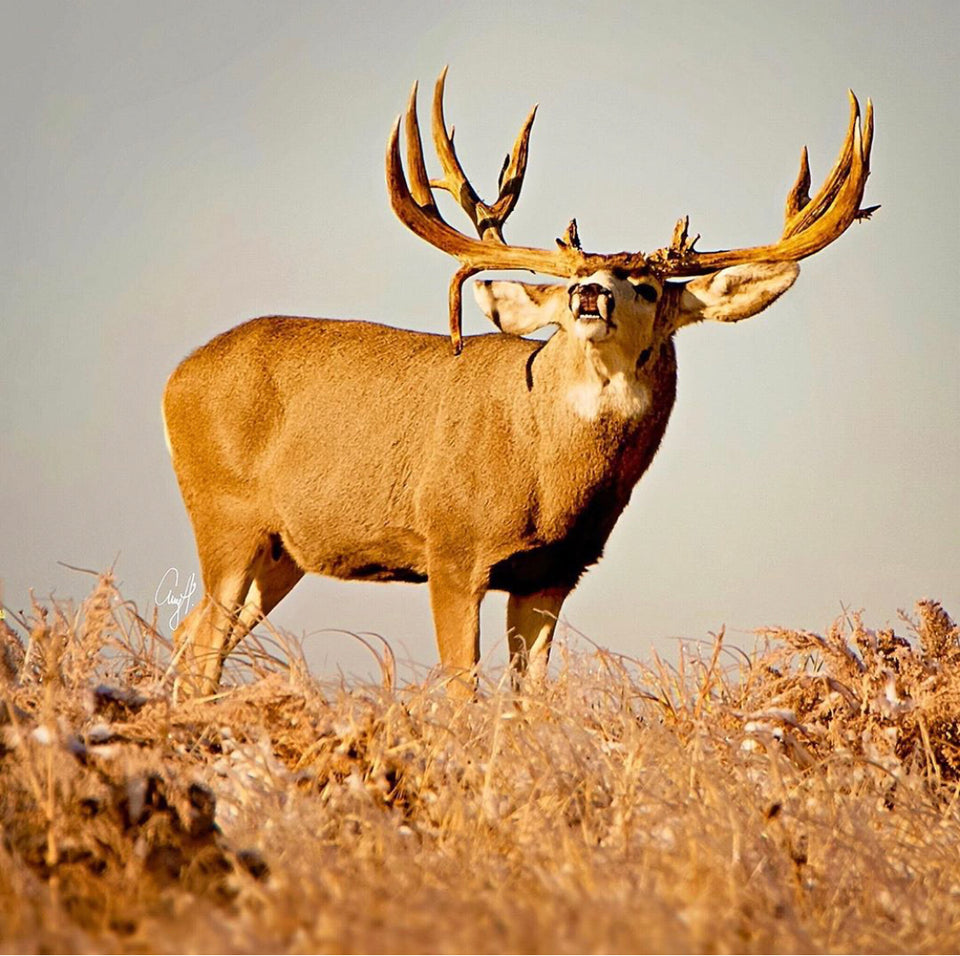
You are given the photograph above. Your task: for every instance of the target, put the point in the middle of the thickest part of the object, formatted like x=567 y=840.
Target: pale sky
x=170 y=169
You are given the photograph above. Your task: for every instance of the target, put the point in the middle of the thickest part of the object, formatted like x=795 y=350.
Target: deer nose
x=591 y=301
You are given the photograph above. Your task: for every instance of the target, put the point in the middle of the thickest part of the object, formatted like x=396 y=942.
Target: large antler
x=415 y=206
x=810 y=224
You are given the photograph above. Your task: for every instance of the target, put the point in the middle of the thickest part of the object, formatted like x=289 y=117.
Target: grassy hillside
x=804 y=797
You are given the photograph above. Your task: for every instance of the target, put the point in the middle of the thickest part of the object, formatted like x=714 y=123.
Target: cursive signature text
x=168 y=595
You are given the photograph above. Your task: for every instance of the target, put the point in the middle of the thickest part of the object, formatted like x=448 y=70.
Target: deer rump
x=360 y=450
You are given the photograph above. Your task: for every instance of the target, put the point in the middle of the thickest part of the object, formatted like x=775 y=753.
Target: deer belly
x=384 y=554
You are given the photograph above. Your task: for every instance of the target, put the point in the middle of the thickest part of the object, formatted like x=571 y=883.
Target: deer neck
x=591 y=385
x=597 y=428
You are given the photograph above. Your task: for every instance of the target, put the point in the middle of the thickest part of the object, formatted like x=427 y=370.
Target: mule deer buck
x=361 y=451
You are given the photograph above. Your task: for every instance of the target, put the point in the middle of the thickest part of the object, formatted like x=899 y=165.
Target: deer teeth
x=603 y=307
x=575 y=304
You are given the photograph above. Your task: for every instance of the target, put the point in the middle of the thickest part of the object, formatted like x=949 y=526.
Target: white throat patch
x=621 y=396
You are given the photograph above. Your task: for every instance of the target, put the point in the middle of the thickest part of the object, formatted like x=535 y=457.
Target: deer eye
x=646 y=291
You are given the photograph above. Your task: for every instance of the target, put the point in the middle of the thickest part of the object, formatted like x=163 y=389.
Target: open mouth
x=592 y=303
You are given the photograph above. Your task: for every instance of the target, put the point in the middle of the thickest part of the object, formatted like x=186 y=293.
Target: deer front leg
x=455 y=596
x=531 y=621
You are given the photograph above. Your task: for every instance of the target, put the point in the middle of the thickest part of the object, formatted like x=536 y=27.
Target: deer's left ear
x=520 y=307
x=735 y=293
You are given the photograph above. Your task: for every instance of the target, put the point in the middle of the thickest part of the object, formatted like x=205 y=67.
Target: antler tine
x=419 y=181
x=867 y=130
x=514 y=169
x=811 y=224
x=455 y=179
x=799 y=195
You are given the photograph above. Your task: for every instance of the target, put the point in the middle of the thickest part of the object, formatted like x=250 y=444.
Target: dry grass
x=802 y=798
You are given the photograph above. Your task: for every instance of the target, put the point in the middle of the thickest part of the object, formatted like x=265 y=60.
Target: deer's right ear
x=520 y=307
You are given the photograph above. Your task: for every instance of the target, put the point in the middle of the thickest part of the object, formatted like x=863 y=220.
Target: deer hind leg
x=243 y=584
x=455 y=596
x=202 y=637
x=274 y=575
x=531 y=621
x=228 y=543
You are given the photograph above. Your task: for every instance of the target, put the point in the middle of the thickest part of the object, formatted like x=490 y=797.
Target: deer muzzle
x=592 y=303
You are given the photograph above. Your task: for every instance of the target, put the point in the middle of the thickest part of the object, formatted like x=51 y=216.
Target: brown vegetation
x=800 y=798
